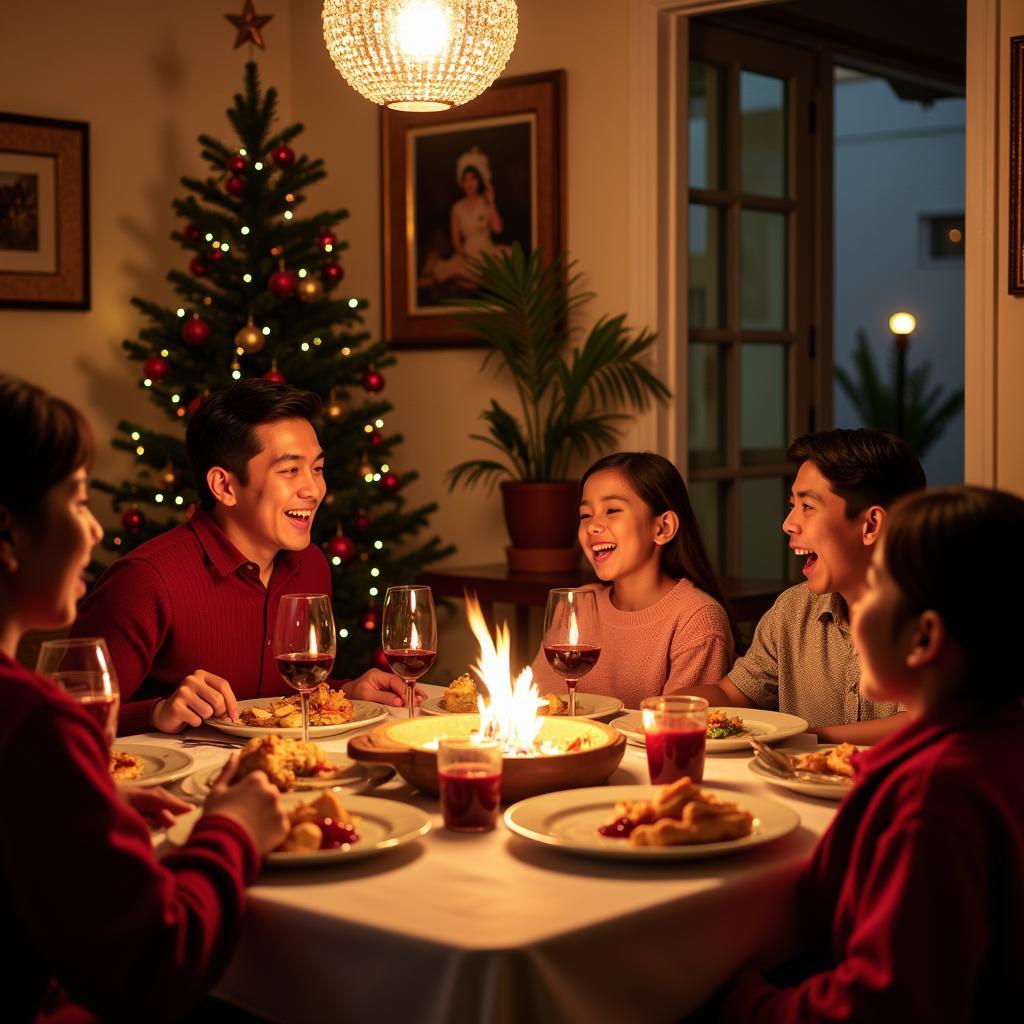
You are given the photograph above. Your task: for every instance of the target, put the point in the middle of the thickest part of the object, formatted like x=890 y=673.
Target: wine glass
x=304 y=645
x=409 y=635
x=572 y=636
x=83 y=670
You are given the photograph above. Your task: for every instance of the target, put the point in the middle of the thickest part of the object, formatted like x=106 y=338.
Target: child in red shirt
x=912 y=907
x=94 y=926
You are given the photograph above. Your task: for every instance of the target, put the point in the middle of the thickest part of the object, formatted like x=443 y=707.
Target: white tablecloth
x=492 y=928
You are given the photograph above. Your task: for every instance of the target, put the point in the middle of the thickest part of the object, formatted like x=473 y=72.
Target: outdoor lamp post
x=902 y=326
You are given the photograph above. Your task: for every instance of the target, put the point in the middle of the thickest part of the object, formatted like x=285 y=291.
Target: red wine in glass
x=304 y=671
x=410 y=664
x=81 y=667
x=572 y=636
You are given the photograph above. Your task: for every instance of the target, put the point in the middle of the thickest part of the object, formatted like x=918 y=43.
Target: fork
x=772 y=760
x=193 y=742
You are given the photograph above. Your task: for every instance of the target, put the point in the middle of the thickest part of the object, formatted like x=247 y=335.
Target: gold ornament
x=250 y=338
x=167 y=475
x=366 y=468
x=423 y=55
x=334 y=410
x=309 y=289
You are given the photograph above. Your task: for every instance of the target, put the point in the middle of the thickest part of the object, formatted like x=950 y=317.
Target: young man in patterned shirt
x=802 y=660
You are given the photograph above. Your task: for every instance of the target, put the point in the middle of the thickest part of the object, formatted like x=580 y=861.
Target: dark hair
x=46 y=440
x=222 y=431
x=933 y=545
x=662 y=489
x=864 y=467
x=476 y=171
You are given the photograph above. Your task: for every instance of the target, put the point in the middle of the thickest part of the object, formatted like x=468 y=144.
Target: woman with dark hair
x=664 y=624
x=92 y=921
x=912 y=907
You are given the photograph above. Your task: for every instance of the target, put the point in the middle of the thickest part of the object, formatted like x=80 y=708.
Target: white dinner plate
x=588 y=705
x=355 y=778
x=828 y=787
x=364 y=712
x=766 y=726
x=569 y=819
x=382 y=825
x=159 y=764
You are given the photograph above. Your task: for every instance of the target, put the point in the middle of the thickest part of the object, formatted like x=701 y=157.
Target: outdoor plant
x=927 y=410
x=572 y=399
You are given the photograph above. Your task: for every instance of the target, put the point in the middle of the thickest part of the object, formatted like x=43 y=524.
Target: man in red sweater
x=188 y=616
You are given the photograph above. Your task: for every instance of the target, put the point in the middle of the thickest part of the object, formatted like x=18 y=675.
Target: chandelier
x=420 y=54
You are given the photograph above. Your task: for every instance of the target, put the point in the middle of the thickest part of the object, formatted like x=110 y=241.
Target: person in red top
x=912 y=907
x=94 y=926
x=203 y=597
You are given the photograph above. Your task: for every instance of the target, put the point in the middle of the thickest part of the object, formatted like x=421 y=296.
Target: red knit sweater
x=84 y=905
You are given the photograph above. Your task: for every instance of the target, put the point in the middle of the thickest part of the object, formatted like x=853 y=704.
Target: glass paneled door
x=751 y=288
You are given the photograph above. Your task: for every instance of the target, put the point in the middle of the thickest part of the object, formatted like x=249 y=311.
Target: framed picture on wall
x=44 y=213
x=1016 y=166
x=474 y=179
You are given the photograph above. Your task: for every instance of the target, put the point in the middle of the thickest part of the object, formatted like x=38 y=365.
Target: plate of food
x=291 y=764
x=142 y=764
x=330 y=712
x=729 y=729
x=681 y=821
x=825 y=772
x=461 y=696
x=332 y=827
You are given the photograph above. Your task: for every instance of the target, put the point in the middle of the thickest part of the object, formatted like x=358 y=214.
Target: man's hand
x=252 y=802
x=201 y=695
x=154 y=803
x=382 y=687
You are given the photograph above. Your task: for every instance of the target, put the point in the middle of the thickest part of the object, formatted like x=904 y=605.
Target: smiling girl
x=91 y=920
x=912 y=907
x=664 y=626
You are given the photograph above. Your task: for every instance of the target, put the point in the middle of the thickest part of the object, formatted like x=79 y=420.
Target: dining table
x=492 y=928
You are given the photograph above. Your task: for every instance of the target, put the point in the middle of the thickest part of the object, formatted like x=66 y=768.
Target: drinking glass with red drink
x=675 y=733
x=83 y=670
x=469 y=773
x=409 y=635
x=304 y=645
x=572 y=636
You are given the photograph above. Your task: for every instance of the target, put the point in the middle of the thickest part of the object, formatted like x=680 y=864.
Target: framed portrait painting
x=1016 y=166
x=44 y=213
x=471 y=180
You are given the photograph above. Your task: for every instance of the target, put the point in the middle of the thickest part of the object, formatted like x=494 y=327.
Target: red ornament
x=133 y=520
x=195 y=331
x=389 y=483
x=369 y=620
x=376 y=438
x=195 y=403
x=235 y=185
x=341 y=547
x=198 y=266
x=362 y=522
x=156 y=368
x=192 y=233
x=237 y=164
x=283 y=156
x=373 y=381
x=283 y=283
x=326 y=238
x=215 y=255
x=332 y=273
x=380 y=661
x=274 y=374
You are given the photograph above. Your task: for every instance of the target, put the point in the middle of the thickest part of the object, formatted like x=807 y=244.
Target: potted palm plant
x=573 y=400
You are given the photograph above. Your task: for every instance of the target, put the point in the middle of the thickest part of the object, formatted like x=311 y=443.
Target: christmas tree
x=261 y=297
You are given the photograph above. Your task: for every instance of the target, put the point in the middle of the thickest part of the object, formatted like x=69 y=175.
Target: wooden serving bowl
x=410 y=745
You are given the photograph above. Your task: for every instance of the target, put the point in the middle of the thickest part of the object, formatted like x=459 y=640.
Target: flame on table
x=511 y=714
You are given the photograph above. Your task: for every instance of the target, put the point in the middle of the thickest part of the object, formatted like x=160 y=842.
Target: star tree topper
x=249 y=24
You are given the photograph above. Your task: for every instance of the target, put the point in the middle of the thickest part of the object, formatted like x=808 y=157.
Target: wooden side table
x=495 y=584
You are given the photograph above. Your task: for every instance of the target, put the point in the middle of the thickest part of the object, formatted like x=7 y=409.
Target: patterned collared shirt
x=803 y=662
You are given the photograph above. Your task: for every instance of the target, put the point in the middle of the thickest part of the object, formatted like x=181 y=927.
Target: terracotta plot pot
x=542 y=521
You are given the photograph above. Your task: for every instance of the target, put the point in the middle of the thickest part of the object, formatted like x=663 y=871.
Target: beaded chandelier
x=420 y=54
